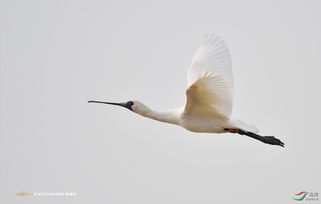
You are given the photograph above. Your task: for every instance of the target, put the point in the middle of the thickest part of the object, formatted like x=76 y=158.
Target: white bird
x=209 y=96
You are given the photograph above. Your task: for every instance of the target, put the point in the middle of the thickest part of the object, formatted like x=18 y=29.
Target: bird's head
x=134 y=106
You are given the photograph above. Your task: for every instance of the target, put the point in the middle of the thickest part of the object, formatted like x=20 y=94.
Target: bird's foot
x=272 y=140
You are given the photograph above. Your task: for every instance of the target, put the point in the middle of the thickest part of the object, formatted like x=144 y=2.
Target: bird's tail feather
x=243 y=126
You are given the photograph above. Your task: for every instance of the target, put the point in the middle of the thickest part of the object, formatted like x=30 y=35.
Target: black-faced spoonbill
x=209 y=96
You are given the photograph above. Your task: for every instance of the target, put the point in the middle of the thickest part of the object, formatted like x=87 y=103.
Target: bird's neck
x=171 y=116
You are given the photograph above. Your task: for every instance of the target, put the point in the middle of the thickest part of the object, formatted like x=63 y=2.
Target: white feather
x=212 y=56
x=243 y=126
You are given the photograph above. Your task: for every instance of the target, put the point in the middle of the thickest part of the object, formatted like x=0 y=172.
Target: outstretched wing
x=212 y=56
x=209 y=96
x=210 y=80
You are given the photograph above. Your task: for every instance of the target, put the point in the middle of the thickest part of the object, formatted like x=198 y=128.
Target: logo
x=24 y=194
x=307 y=196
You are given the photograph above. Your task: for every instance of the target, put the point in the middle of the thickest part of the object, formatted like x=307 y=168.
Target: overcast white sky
x=56 y=55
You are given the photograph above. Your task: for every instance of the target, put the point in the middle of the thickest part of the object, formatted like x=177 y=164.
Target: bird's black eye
x=129 y=105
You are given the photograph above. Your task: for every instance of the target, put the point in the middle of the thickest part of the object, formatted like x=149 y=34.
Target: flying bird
x=209 y=96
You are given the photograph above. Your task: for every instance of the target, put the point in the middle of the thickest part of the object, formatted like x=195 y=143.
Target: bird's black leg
x=266 y=139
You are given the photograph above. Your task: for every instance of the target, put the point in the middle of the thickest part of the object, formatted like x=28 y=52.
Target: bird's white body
x=209 y=94
x=204 y=124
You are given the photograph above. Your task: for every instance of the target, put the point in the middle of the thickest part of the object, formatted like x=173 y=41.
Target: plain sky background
x=56 y=55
